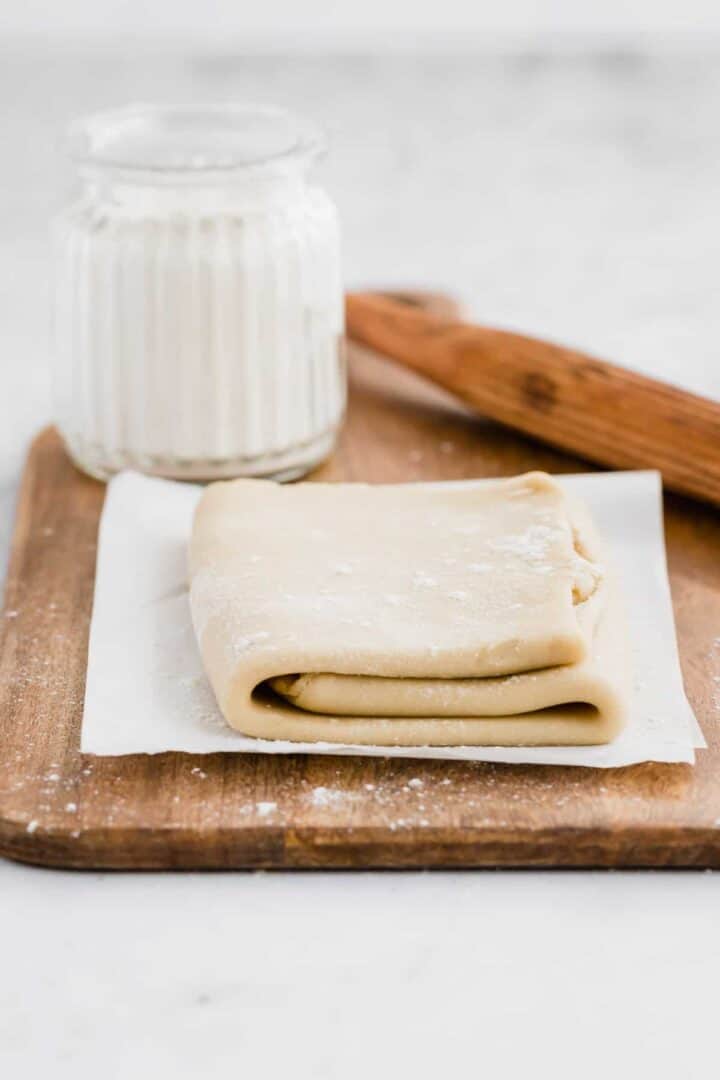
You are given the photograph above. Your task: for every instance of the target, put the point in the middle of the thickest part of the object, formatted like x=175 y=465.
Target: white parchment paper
x=147 y=693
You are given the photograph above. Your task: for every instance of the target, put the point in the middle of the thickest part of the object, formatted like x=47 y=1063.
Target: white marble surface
x=571 y=197
x=358 y=977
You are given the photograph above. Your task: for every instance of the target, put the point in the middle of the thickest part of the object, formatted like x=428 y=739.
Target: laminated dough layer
x=479 y=614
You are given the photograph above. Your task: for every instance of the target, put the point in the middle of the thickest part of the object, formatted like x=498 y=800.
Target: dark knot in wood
x=539 y=391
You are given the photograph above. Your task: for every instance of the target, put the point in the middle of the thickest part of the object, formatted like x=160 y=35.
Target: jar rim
x=195 y=143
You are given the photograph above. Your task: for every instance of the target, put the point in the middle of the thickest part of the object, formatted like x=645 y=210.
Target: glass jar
x=199 y=314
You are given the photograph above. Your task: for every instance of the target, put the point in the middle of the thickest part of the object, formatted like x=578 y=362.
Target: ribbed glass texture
x=199 y=328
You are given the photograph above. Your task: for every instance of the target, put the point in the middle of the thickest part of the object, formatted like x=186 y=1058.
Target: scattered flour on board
x=716 y=678
x=324 y=796
x=716 y=694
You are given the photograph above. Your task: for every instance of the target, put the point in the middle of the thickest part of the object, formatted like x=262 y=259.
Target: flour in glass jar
x=199 y=302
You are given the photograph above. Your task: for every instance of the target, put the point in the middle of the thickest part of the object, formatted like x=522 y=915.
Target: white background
x=380 y=24
x=556 y=165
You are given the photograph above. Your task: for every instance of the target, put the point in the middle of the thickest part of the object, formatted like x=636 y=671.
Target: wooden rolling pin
x=565 y=398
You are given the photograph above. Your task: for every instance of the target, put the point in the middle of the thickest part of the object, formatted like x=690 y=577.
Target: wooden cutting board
x=60 y=808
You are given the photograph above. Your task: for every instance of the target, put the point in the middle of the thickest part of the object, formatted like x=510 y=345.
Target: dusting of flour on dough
x=533 y=544
x=393 y=599
x=247 y=641
x=423 y=580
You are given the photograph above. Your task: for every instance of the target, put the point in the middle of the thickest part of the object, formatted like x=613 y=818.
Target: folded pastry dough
x=414 y=614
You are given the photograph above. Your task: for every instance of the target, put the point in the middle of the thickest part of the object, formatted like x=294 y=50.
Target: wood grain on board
x=60 y=808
